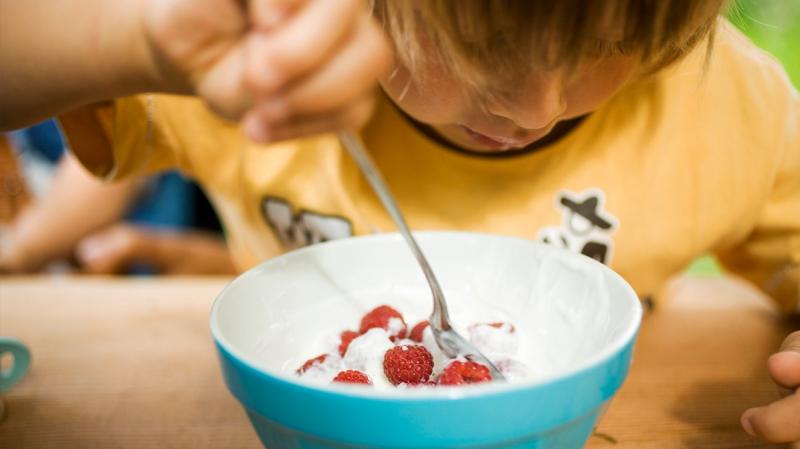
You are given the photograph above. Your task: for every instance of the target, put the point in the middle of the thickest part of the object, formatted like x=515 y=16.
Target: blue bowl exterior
x=571 y=436
x=556 y=414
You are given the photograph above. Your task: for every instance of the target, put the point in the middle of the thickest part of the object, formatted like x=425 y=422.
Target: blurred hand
x=287 y=68
x=10 y=260
x=779 y=422
x=113 y=249
x=15 y=257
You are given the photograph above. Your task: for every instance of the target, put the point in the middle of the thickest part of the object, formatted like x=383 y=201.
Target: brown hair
x=476 y=37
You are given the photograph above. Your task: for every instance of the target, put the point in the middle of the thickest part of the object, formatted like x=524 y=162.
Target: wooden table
x=129 y=363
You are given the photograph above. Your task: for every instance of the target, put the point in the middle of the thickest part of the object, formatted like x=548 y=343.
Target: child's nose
x=536 y=107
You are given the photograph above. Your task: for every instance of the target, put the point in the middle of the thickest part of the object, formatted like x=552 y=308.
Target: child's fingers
x=259 y=127
x=784 y=367
x=778 y=422
x=792 y=342
x=352 y=73
x=109 y=250
x=268 y=14
x=219 y=87
x=301 y=43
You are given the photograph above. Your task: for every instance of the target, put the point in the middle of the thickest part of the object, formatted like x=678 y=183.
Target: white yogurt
x=365 y=353
x=496 y=343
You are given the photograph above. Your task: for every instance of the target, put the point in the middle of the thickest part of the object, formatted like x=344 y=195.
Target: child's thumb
x=784 y=366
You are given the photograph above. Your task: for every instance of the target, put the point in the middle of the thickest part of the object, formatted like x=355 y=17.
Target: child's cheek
x=598 y=83
x=431 y=97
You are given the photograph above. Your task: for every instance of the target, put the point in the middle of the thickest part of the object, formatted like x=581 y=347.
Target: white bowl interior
x=568 y=309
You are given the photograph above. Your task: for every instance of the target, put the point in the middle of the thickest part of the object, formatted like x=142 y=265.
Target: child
x=640 y=133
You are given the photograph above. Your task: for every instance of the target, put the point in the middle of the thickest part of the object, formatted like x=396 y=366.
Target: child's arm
x=55 y=56
x=68 y=220
x=50 y=227
x=292 y=67
x=770 y=257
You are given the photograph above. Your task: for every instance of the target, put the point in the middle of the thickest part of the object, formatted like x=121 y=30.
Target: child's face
x=525 y=111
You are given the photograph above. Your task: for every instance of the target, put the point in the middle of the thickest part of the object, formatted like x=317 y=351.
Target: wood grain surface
x=129 y=363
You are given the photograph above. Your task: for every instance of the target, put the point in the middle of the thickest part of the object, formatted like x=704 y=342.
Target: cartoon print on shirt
x=586 y=228
x=303 y=228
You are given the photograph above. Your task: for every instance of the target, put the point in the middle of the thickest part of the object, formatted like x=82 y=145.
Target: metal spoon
x=450 y=342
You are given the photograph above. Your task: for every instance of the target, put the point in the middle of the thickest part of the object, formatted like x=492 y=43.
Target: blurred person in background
x=55 y=216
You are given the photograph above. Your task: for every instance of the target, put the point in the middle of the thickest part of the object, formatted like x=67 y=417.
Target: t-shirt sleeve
x=121 y=138
x=770 y=255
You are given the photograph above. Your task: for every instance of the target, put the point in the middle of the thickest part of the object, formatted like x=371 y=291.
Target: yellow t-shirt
x=695 y=159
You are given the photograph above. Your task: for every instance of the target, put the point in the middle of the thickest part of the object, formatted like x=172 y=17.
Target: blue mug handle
x=21 y=359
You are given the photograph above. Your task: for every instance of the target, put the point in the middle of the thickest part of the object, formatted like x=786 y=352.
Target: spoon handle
x=440 y=318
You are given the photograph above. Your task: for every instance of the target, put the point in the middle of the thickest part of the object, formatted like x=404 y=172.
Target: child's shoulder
x=747 y=75
x=733 y=85
x=734 y=43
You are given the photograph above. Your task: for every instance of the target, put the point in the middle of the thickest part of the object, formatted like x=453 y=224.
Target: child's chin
x=494 y=150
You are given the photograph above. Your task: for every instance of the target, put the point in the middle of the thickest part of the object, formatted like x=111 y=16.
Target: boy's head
x=493 y=75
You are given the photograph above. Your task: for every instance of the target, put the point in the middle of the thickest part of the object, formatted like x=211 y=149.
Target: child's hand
x=117 y=247
x=779 y=422
x=286 y=67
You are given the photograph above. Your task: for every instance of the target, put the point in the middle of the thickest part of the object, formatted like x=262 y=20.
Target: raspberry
x=460 y=373
x=418 y=330
x=352 y=376
x=497 y=325
x=408 y=364
x=311 y=362
x=345 y=339
x=381 y=317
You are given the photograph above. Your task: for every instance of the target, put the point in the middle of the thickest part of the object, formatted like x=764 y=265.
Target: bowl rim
x=424 y=392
